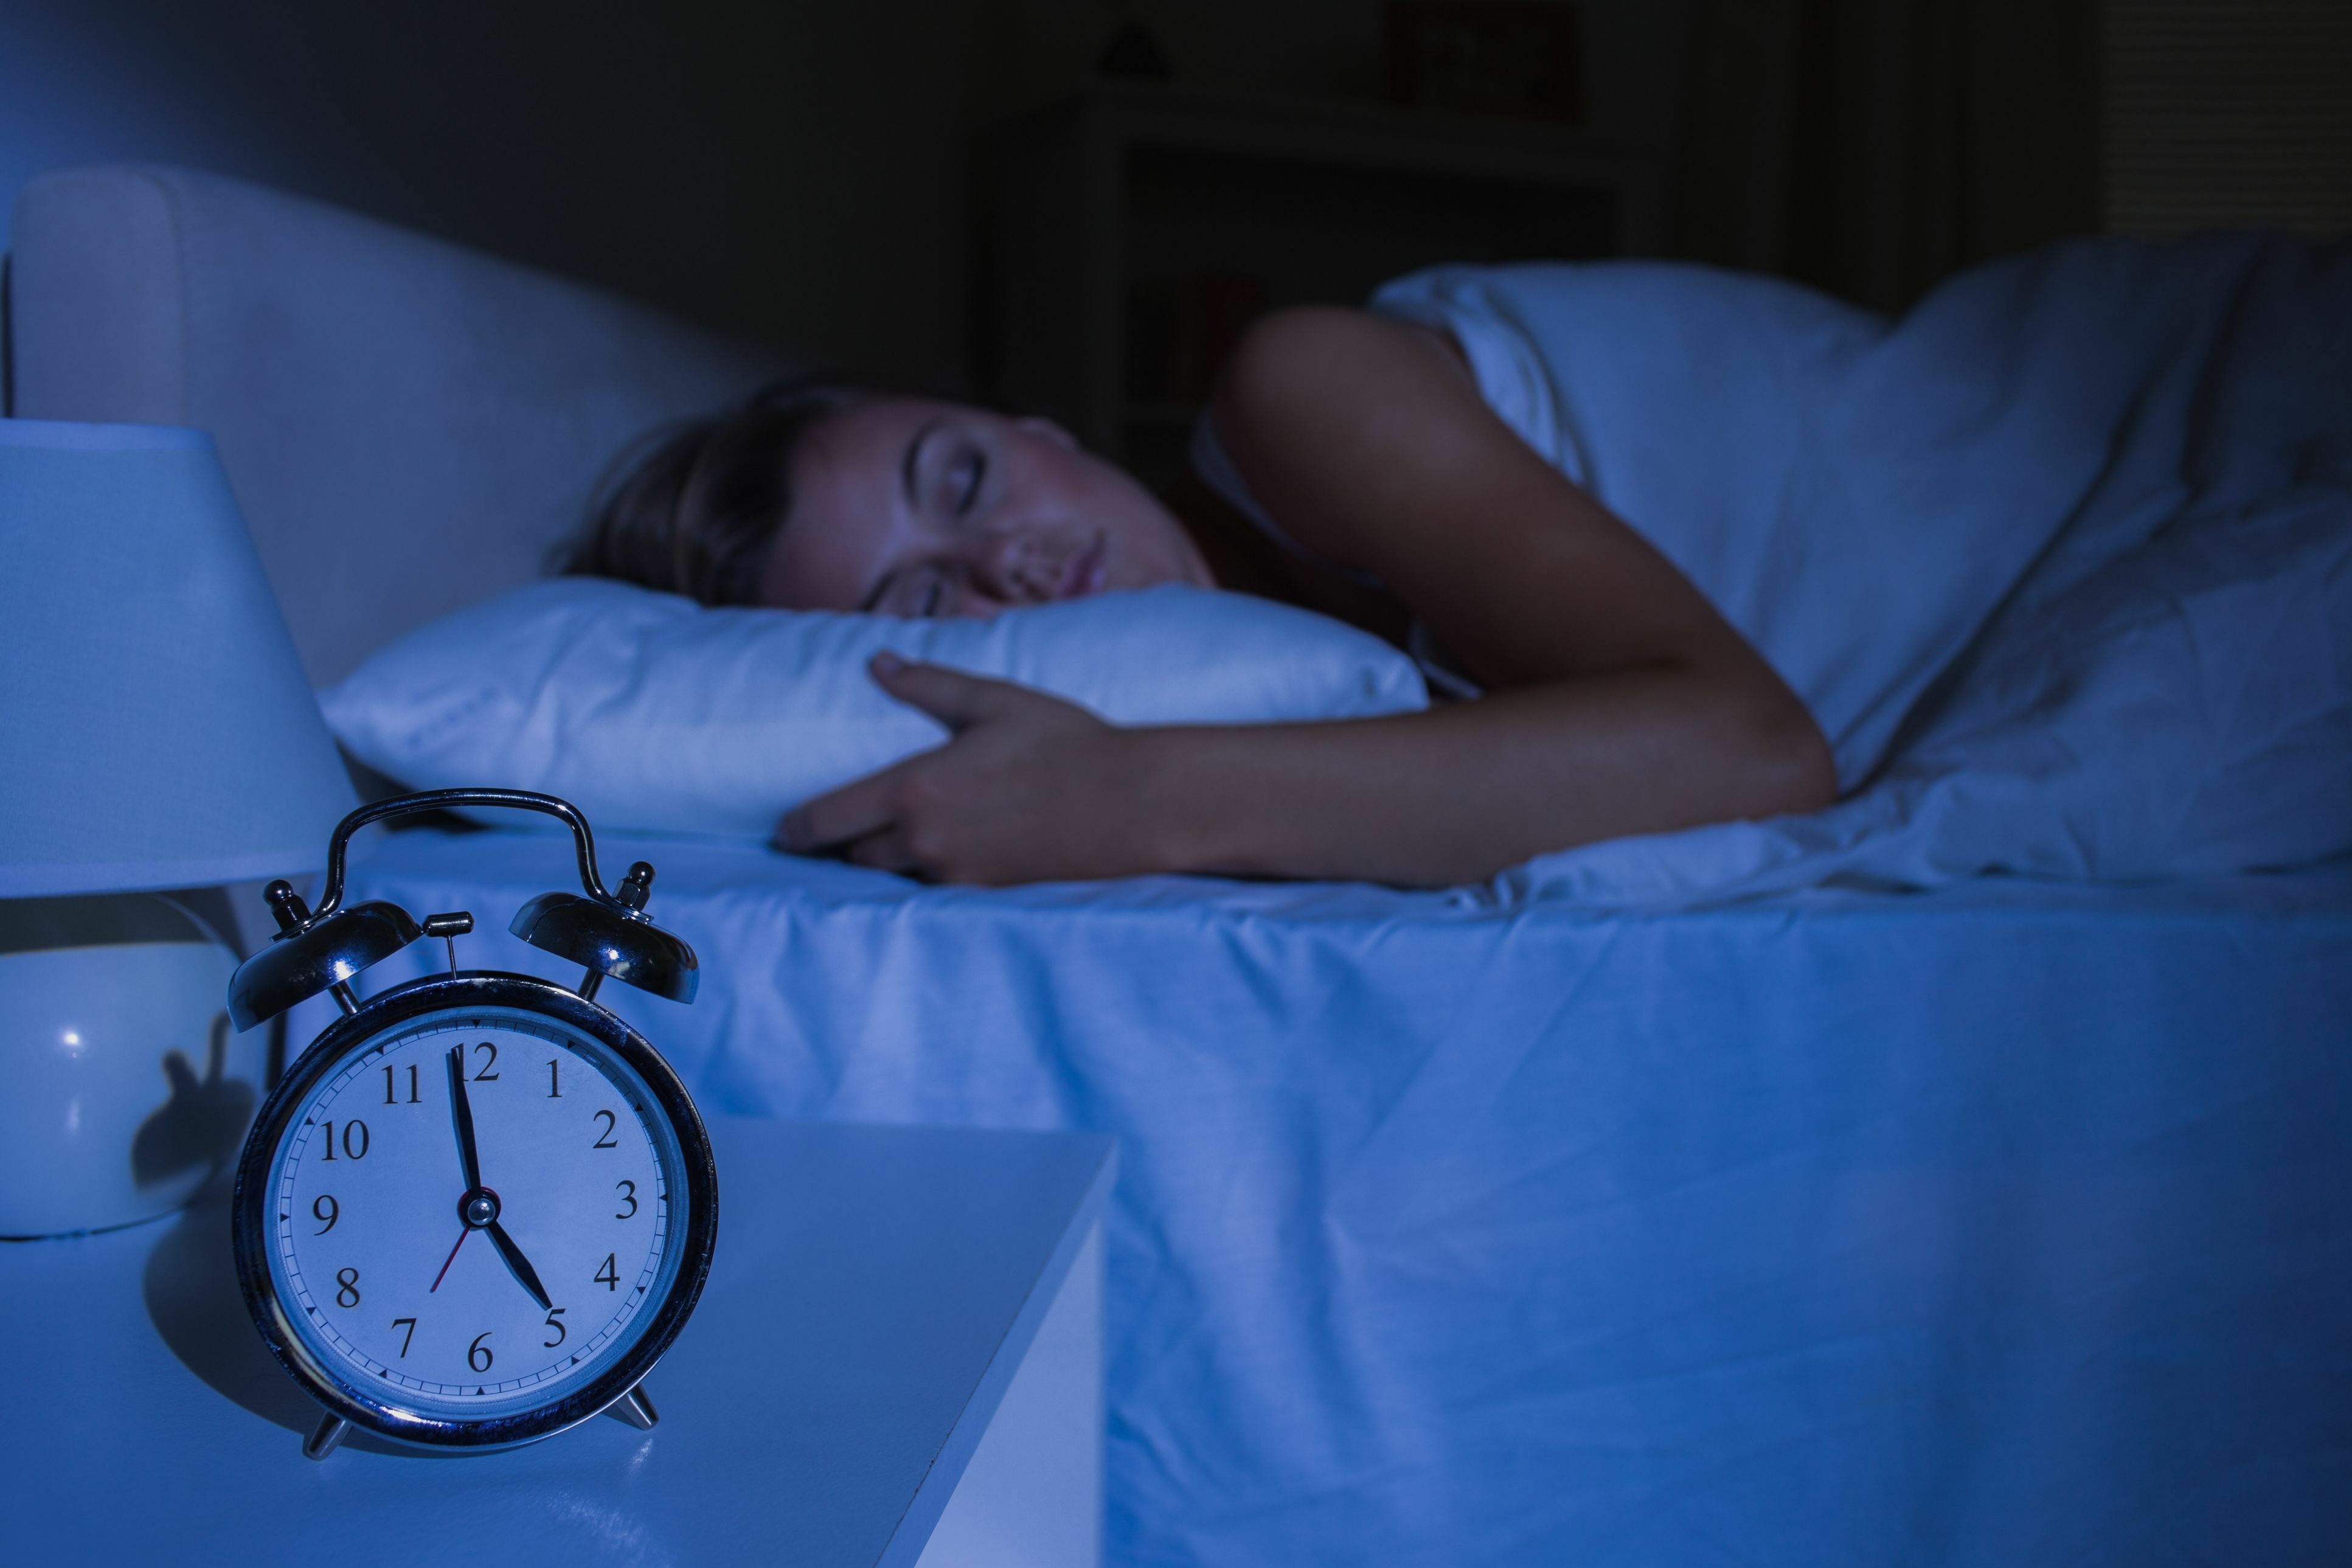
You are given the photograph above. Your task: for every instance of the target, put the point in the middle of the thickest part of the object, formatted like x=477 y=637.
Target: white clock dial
x=455 y=1293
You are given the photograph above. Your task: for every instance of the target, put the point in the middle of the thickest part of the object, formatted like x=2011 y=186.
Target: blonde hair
x=693 y=508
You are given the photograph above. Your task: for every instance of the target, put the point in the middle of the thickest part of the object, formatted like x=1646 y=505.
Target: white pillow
x=652 y=713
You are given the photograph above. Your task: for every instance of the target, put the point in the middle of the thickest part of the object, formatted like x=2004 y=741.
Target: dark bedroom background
x=811 y=172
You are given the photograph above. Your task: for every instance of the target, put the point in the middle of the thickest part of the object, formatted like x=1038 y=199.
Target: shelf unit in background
x=1129 y=231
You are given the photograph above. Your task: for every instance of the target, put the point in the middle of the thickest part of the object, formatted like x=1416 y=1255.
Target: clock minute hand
x=521 y=1265
x=462 y=1113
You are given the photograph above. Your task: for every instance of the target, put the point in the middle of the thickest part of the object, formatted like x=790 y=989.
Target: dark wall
x=1932 y=135
x=786 y=168
x=799 y=170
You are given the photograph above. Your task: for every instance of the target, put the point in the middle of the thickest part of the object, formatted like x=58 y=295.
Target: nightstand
x=898 y=1360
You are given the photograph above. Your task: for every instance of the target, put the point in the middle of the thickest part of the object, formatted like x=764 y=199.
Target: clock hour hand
x=462 y=1113
x=518 y=1264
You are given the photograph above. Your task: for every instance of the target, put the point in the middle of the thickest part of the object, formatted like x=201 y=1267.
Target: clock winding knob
x=287 y=905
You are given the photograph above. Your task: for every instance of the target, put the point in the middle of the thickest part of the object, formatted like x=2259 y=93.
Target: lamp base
x=126 y=1089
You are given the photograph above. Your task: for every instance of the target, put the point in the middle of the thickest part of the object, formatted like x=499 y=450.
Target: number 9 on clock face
x=476 y=1220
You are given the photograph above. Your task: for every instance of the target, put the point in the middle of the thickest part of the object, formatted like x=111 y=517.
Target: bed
x=2003 y=1223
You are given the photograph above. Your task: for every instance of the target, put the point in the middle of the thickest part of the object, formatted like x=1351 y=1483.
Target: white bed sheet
x=1999 y=1225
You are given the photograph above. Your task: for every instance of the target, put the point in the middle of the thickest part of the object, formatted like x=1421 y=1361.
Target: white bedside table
x=897 y=1358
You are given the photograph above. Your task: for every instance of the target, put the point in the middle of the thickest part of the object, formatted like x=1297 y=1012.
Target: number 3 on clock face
x=476 y=1210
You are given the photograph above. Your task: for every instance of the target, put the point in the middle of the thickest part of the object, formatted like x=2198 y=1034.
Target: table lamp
x=156 y=731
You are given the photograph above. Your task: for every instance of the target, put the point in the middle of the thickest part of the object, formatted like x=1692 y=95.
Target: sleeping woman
x=1351 y=464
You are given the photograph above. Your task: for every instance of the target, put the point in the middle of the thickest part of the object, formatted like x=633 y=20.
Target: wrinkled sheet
x=2073 y=537
x=2000 y=1225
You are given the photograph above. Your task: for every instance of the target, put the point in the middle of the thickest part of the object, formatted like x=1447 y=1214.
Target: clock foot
x=636 y=1407
x=327 y=1439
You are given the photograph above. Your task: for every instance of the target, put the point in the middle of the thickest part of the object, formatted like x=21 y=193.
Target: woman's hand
x=1028 y=788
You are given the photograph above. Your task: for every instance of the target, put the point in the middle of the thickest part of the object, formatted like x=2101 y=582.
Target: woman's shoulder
x=1364 y=435
x=1296 y=363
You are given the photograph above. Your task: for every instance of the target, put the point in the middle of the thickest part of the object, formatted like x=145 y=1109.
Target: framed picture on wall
x=1487 y=56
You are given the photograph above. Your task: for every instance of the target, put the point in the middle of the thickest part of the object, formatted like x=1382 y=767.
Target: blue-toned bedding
x=2061 y=558
x=2002 y=1225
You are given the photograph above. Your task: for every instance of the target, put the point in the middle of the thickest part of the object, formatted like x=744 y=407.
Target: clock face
x=460 y=1283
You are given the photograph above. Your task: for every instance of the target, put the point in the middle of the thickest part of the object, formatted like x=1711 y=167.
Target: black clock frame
x=250 y=1209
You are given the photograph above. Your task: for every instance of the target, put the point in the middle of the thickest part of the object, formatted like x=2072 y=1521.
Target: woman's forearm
x=1031 y=788
x=1457 y=794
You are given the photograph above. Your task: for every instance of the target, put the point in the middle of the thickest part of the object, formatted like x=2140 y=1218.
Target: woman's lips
x=1083 y=573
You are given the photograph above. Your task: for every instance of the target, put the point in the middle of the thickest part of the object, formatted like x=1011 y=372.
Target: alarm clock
x=478 y=1208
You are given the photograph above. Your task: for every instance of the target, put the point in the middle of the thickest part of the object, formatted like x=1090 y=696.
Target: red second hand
x=448 y=1260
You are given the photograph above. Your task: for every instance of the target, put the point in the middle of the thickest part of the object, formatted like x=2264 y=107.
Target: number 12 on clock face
x=474 y=1210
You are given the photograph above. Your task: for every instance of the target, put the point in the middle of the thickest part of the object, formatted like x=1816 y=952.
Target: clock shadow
x=193 y=1298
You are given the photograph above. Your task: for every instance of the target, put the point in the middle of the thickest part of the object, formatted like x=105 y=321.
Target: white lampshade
x=155 y=727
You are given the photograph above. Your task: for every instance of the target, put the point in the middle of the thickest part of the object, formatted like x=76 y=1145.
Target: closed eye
x=970 y=467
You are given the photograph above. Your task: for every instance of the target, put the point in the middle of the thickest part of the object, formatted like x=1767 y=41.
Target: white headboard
x=408 y=426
